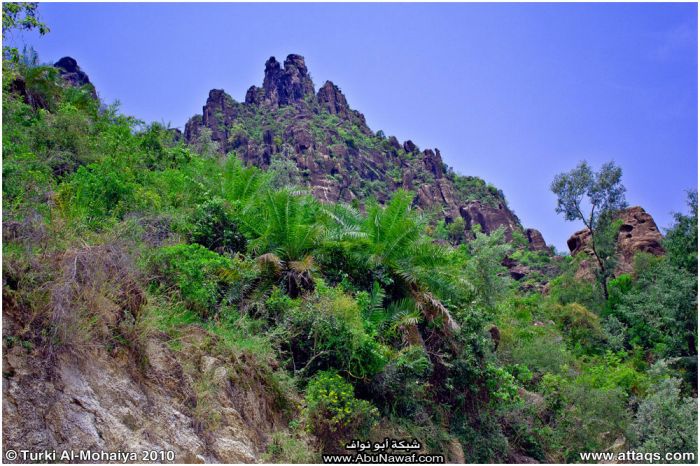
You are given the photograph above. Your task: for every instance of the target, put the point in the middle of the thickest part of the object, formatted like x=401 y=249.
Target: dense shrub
x=110 y=189
x=65 y=139
x=328 y=332
x=585 y=418
x=660 y=310
x=567 y=288
x=194 y=273
x=26 y=181
x=667 y=421
x=403 y=387
x=581 y=326
x=160 y=148
x=214 y=227
x=333 y=413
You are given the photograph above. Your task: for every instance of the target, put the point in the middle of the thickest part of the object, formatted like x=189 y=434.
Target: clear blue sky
x=513 y=93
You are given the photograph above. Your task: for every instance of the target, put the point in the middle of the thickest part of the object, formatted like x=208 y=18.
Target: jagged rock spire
x=282 y=86
x=332 y=99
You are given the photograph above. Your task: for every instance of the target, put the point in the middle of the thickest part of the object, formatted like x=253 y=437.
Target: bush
x=567 y=288
x=482 y=438
x=328 y=332
x=213 y=227
x=26 y=180
x=584 y=418
x=666 y=421
x=195 y=273
x=65 y=139
x=402 y=387
x=106 y=189
x=581 y=326
x=333 y=413
x=160 y=149
x=659 y=312
x=610 y=372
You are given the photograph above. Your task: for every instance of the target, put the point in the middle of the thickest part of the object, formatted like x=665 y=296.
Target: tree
x=659 y=311
x=593 y=198
x=681 y=240
x=22 y=16
x=394 y=240
x=287 y=233
x=485 y=270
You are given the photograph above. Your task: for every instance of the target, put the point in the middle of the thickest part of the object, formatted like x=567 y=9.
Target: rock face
x=72 y=74
x=536 y=240
x=638 y=233
x=336 y=154
x=104 y=402
x=489 y=218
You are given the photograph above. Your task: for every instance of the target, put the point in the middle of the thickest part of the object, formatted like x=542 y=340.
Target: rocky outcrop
x=638 y=233
x=73 y=75
x=332 y=100
x=283 y=86
x=220 y=106
x=433 y=163
x=409 y=146
x=536 y=240
x=489 y=218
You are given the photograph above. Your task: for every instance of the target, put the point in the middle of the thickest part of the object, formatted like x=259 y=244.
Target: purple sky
x=513 y=93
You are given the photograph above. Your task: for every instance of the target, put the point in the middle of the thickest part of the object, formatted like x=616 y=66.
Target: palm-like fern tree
x=286 y=230
x=395 y=240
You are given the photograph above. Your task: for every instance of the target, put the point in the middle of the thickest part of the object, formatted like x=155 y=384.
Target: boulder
x=638 y=233
x=409 y=146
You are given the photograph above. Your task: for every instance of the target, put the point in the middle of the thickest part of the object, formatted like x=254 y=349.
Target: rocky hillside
x=159 y=295
x=335 y=153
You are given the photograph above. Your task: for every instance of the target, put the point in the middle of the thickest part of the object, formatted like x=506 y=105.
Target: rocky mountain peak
x=283 y=86
x=72 y=74
x=336 y=154
x=295 y=61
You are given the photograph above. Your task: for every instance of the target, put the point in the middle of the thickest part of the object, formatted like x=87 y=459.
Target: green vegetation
x=354 y=324
x=333 y=412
